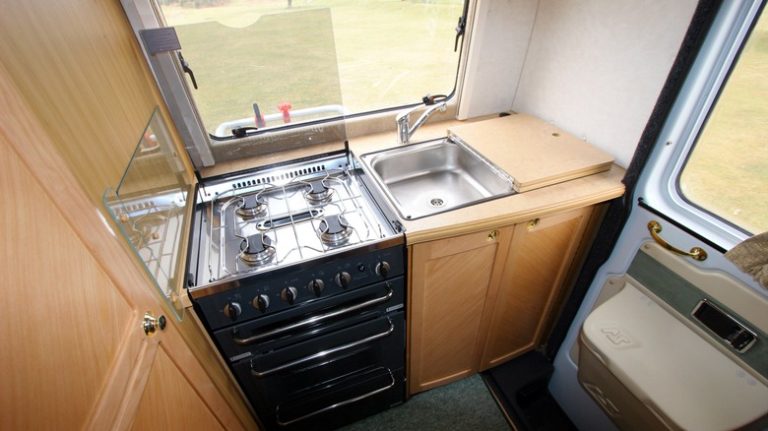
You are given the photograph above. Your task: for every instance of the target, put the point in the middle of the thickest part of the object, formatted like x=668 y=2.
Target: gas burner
x=318 y=193
x=334 y=230
x=253 y=206
x=256 y=250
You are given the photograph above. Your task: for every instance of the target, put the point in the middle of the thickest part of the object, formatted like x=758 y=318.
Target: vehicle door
x=673 y=330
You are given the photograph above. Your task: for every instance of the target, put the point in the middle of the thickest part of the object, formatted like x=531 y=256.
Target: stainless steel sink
x=436 y=176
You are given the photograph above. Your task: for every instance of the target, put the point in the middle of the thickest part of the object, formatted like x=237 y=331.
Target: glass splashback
x=149 y=206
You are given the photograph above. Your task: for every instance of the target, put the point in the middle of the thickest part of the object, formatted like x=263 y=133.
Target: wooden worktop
x=554 y=170
x=558 y=172
x=534 y=153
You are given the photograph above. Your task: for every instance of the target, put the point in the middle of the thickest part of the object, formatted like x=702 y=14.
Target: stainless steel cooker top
x=268 y=219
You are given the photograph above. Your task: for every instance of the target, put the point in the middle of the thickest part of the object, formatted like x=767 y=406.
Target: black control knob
x=261 y=302
x=316 y=286
x=289 y=294
x=343 y=279
x=382 y=268
x=232 y=310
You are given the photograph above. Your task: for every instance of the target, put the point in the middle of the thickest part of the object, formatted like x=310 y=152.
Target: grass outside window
x=362 y=54
x=727 y=172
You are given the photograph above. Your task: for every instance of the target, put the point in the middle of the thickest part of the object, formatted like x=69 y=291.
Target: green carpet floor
x=463 y=405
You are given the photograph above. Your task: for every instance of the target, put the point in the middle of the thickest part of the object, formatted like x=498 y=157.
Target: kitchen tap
x=404 y=131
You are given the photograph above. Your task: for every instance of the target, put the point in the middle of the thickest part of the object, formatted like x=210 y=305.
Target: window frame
x=165 y=67
x=199 y=143
x=660 y=188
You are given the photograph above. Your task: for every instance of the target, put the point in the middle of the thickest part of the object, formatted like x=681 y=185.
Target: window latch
x=185 y=67
x=461 y=26
x=459 y=32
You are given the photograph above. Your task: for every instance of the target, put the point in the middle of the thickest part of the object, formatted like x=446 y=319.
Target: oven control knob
x=382 y=268
x=289 y=294
x=232 y=310
x=316 y=286
x=343 y=279
x=261 y=302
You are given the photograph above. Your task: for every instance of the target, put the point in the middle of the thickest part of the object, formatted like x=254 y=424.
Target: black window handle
x=185 y=67
x=461 y=26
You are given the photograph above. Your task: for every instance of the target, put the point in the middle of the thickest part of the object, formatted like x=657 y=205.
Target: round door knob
x=151 y=323
x=261 y=302
x=343 y=279
x=316 y=286
x=289 y=294
x=232 y=310
x=382 y=268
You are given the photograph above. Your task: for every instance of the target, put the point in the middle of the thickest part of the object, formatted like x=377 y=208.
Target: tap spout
x=404 y=130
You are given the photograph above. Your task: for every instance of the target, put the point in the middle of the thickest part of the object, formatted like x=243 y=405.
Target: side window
x=264 y=63
x=726 y=173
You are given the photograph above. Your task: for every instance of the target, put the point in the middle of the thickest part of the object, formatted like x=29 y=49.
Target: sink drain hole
x=437 y=202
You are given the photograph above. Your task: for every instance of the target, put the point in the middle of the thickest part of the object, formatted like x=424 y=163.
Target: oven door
x=344 y=401
x=276 y=331
x=352 y=366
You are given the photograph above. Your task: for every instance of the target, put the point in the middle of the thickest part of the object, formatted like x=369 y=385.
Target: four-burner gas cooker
x=255 y=223
x=299 y=277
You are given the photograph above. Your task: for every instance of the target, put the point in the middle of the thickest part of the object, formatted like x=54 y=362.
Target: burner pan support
x=334 y=230
x=318 y=192
x=252 y=206
x=256 y=250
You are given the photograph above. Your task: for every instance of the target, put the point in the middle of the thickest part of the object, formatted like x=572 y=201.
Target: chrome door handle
x=696 y=253
x=322 y=353
x=339 y=404
x=312 y=320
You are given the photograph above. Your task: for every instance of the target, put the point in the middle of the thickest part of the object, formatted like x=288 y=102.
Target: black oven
x=299 y=277
x=319 y=376
x=324 y=362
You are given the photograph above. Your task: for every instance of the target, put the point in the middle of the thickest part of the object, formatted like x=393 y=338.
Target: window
x=263 y=63
x=727 y=172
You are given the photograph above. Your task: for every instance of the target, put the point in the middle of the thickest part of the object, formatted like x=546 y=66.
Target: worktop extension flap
x=536 y=154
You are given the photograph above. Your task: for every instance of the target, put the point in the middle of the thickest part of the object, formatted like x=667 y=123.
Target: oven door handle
x=312 y=320
x=260 y=374
x=339 y=404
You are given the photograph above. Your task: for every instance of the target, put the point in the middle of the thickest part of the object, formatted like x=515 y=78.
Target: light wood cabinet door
x=533 y=273
x=74 y=353
x=449 y=282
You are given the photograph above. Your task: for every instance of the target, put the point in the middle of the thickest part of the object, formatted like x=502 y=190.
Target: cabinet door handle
x=654 y=228
x=492 y=235
x=150 y=324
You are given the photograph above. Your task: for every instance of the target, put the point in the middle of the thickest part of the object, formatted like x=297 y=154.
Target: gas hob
x=258 y=222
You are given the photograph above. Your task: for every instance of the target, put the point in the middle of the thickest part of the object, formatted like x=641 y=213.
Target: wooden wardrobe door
x=73 y=353
x=75 y=95
x=64 y=321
